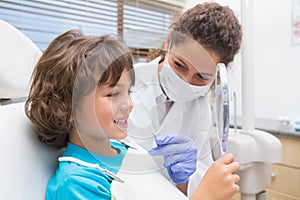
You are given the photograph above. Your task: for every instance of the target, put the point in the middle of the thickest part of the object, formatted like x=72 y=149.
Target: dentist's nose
x=188 y=78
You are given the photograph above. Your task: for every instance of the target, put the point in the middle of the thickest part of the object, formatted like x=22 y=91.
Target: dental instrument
x=235 y=112
x=90 y=165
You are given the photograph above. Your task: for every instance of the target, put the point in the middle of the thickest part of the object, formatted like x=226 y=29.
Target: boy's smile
x=122 y=122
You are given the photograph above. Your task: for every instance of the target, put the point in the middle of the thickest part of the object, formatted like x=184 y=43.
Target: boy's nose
x=128 y=105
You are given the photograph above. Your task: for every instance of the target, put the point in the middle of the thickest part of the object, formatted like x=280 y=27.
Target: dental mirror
x=222 y=106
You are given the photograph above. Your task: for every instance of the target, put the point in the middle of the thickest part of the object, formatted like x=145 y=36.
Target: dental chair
x=26 y=163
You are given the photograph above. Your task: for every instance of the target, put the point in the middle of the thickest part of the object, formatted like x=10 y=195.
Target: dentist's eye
x=202 y=78
x=179 y=65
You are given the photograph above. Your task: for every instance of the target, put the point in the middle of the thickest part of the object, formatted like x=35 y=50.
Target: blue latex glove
x=179 y=154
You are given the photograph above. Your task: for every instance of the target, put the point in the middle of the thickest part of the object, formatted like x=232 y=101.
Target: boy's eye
x=113 y=94
x=129 y=92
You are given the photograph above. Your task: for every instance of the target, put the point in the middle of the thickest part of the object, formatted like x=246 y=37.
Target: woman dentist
x=172 y=99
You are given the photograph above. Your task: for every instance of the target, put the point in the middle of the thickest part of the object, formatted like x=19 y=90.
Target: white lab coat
x=192 y=119
x=142 y=179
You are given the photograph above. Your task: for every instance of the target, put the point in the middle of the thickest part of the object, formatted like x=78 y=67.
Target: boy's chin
x=120 y=135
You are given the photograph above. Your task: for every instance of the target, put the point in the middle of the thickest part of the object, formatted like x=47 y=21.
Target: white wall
x=276 y=61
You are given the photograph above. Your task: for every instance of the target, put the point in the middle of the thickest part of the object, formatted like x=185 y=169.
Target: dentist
x=172 y=97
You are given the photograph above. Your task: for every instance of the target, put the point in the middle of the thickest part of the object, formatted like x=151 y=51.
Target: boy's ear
x=71 y=119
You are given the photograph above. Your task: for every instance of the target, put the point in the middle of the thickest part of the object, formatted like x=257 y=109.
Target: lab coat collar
x=148 y=76
x=159 y=95
x=156 y=60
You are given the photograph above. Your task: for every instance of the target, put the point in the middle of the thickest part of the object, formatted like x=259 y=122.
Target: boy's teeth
x=120 y=121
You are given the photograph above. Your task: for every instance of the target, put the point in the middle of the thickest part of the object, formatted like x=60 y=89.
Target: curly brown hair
x=213 y=26
x=72 y=62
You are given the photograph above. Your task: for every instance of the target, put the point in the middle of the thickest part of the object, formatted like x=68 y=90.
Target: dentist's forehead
x=193 y=53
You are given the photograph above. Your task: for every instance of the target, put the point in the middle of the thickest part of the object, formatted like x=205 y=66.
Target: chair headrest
x=18 y=58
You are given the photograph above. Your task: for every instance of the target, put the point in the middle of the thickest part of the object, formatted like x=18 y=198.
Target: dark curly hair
x=72 y=62
x=213 y=26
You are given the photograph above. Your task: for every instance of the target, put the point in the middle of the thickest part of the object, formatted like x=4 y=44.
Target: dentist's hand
x=220 y=177
x=179 y=154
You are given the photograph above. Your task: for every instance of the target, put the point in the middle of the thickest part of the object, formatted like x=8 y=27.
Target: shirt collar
x=109 y=162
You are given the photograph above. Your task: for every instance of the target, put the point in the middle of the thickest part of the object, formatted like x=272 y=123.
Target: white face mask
x=177 y=89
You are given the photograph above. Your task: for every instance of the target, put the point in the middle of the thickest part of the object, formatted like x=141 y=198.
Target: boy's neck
x=102 y=146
